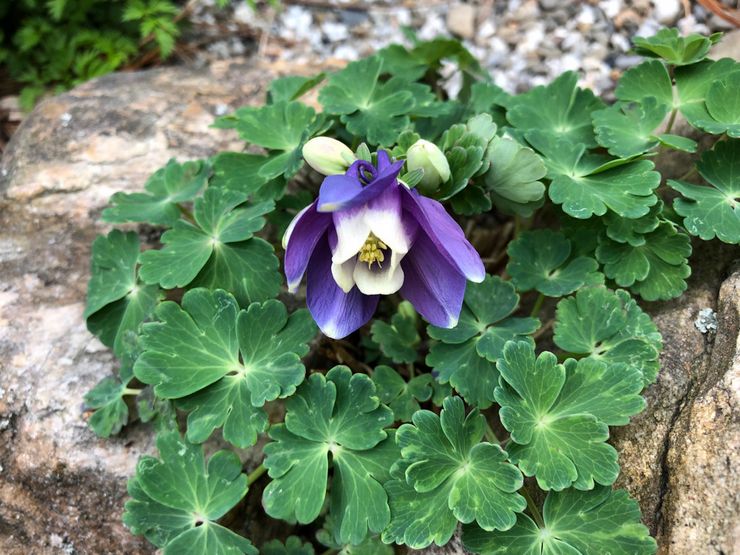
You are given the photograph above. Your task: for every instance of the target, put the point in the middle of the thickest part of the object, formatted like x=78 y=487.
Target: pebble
x=521 y=42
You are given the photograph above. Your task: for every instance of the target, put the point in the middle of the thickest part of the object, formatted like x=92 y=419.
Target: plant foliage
x=402 y=431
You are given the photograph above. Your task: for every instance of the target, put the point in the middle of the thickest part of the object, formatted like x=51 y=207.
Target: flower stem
x=671 y=120
x=187 y=214
x=538 y=305
x=131 y=391
x=532 y=506
x=411 y=370
x=491 y=435
x=253 y=476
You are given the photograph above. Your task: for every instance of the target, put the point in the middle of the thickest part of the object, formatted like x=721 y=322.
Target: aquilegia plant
x=501 y=243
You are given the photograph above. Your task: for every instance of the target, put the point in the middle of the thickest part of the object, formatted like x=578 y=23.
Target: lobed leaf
x=576 y=522
x=447 y=470
x=177 y=499
x=229 y=361
x=465 y=355
x=713 y=211
x=609 y=326
x=168 y=186
x=558 y=415
x=338 y=414
x=537 y=260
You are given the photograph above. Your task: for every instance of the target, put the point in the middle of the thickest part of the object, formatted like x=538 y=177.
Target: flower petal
x=352 y=230
x=384 y=280
x=337 y=191
x=446 y=235
x=343 y=192
x=434 y=286
x=302 y=236
x=384 y=216
x=337 y=313
x=342 y=274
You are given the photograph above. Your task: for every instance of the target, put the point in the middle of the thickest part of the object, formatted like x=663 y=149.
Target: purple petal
x=446 y=235
x=337 y=313
x=342 y=192
x=337 y=191
x=303 y=234
x=434 y=286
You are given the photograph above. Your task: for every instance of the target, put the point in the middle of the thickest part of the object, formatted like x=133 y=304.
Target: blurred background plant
x=53 y=45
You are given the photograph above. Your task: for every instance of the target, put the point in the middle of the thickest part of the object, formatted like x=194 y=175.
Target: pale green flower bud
x=427 y=156
x=327 y=156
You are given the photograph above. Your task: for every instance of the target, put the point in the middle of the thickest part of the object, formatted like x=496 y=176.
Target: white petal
x=375 y=281
x=383 y=217
x=352 y=230
x=343 y=274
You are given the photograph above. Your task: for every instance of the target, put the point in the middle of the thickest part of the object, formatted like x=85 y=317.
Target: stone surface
x=60 y=486
x=676 y=456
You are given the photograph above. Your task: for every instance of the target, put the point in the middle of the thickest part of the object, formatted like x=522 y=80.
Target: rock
x=728 y=47
x=61 y=486
x=461 y=20
x=666 y=11
x=680 y=457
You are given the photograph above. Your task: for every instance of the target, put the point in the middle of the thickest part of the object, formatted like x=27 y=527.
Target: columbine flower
x=369 y=235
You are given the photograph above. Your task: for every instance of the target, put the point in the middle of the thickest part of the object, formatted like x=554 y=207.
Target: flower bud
x=327 y=156
x=428 y=157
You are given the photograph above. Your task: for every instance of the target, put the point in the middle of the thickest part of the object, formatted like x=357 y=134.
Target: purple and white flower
x=369 y=235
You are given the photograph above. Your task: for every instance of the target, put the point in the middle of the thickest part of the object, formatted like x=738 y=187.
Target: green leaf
x=514 y=175
x=673 y=48
x=370 y=546
x=609 y=326
x=111 y=412
x=537 y=260
x=576 y=522
x=559 y=109
x=248 y=269
x=292 y=546
x=676 y=142
x=402 y=397
x=376 y=111
x=117 y=303
x=723 y=104
x=656 y=270
x=338 y=414
x=694 y=83
x=282 y=128
x=447 y=465
x=587 y=184
x=175 y=183
x=464 y=146
x=291 y=87
x=558 y=415
x=471 y=200
x=240 y=171
x=182 y=520
x=626 y=129
x=466 y=354
x=650 y=78
x=188 y=247
x=623 y=230
x=713 y=211
x=235 y=360
x=112 y=269
x=219 y=252
x=398 y=340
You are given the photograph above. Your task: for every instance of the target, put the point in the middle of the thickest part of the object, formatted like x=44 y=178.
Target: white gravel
x=522 y=43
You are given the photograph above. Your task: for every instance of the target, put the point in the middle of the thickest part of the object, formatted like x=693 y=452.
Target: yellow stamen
x=372 y=251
